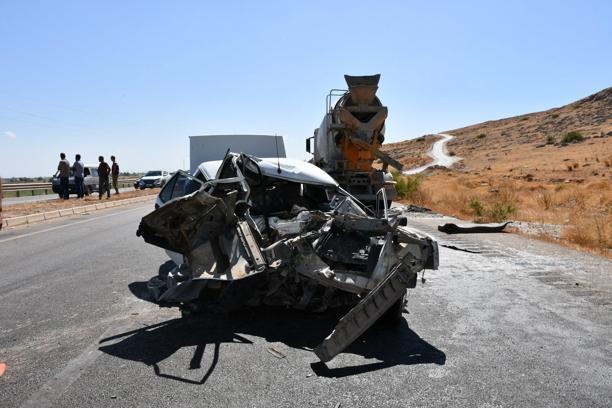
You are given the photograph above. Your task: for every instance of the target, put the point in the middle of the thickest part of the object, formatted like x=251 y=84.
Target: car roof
x=209 y=168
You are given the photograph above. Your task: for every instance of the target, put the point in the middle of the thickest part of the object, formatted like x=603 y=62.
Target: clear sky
x=135 y=78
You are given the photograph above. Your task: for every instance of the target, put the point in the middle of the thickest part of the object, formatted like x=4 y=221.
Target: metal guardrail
x=22 y=189
x=24 y=186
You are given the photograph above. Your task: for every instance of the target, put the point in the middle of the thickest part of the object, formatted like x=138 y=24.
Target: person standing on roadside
x=115 y=174
x=63 y=171
x=78 y=169
x=0 y=203
x=103 y=173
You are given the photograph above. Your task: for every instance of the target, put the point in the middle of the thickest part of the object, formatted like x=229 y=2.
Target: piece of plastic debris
x=456 y=248
x=451 y=228
x=276 y=353
x=2 y=369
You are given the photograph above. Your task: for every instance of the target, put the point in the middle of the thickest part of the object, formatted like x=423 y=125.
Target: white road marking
x=29 y=234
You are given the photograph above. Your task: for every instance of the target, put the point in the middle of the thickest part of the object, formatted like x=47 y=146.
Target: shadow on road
x=300 y=330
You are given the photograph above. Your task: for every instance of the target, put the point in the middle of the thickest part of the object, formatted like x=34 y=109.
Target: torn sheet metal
x=253 y=238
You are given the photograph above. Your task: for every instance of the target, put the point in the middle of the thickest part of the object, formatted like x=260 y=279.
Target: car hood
x=150 y=178
x=294 y=170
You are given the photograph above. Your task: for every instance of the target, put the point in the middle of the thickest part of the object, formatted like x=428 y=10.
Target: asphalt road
x=503 y=325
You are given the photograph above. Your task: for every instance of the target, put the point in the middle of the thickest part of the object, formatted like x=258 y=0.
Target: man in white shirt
x=79 y=169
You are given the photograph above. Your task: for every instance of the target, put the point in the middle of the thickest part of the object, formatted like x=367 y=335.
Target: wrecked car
x=282 y=232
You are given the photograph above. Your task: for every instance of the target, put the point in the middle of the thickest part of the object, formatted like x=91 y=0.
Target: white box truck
x=213 y=147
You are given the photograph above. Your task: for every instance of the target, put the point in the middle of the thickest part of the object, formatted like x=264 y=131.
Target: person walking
x=103 y=173
x=115 y=174
x=63 y=171
x=78 y=169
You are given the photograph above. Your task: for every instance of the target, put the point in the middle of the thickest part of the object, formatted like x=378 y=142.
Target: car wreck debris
x=281 y=232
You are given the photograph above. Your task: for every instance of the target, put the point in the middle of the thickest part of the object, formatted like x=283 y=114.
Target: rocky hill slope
x=481 y=144
x=530 y=145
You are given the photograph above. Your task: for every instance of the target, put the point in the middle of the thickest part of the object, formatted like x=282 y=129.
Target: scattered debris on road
x=283 y=233
x=275 y=352
x=456 y=248
x=416 y=209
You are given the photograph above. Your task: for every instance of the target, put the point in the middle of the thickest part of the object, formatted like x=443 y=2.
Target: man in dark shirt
x=115 y=174
x=103 y=173
x=63 y=171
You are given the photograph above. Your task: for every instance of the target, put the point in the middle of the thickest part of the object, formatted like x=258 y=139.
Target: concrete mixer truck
x=348 y=141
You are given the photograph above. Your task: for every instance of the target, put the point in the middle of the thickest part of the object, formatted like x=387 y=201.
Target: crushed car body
x=281 y=232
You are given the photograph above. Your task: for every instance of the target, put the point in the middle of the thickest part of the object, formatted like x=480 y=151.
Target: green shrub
x=477 y=207
x=570 y=137
x=550 y=139
x=554 y=115
x=497 y=212
x=501 y=211
x=406 y=186
x=481 y=136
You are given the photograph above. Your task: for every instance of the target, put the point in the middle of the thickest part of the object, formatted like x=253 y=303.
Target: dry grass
x=583 y=209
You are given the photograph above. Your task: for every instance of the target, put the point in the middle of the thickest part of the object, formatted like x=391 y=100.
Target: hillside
x=520 y=168
x=411 y=153
x=529 y=142
x=532 y=143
